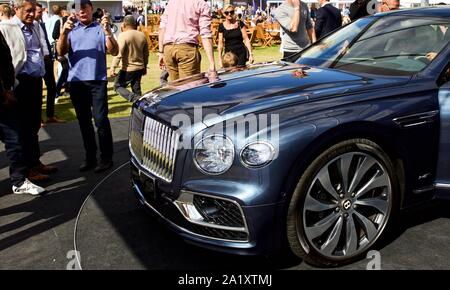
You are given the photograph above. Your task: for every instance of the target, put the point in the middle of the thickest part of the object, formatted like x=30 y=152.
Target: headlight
x=257 y=154
x=214 y=154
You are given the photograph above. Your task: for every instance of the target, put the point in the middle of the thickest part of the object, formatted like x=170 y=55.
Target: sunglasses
x=229 y=12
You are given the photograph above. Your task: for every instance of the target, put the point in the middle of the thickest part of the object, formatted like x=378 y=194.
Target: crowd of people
x=32 y=41
x=30 y=50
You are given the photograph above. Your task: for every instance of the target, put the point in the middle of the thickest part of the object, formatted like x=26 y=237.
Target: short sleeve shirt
x=294 y=41
x=87 y=54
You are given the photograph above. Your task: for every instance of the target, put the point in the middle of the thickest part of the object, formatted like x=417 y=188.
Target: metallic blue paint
x=315 y=112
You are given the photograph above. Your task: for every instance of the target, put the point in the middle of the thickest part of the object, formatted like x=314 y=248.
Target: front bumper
x=261 y=223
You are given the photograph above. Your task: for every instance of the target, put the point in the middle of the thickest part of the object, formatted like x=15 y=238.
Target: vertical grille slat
x=154 y=145
x=158 y=149
x=152 y=141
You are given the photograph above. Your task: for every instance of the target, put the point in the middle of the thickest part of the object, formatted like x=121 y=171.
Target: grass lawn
x=119 y=107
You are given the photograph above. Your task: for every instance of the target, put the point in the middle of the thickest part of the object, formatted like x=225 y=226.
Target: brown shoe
x=45 y=169
x=35 y=176
x=55 y=120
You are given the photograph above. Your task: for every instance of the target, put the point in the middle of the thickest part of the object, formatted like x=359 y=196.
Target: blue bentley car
x=314 y=155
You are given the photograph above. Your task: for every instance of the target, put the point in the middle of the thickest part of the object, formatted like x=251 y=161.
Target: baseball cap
x=81 y=3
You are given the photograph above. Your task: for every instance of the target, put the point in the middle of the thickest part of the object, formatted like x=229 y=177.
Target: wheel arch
x=379 y=134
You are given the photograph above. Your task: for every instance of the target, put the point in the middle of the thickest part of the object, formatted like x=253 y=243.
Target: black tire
x=296 y=235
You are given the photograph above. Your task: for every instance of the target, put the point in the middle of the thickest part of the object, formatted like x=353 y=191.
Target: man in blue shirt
x=87 y=42
x=29 y=90
x=9 y=126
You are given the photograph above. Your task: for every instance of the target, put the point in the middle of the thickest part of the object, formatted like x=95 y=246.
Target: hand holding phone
x=70 y=24
x=106 y=25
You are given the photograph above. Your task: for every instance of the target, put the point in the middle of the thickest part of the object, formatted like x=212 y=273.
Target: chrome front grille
x=154 y=145
x=159 y=149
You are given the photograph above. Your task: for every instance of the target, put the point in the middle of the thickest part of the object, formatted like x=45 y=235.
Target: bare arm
x=220 y=49
x=296 y=19
x=111 y=44
x=63 y=44
x=118 y=58
x=310 y=27
x=206 y=34
x=208 y=46
x=247 y=43
x=285 y=20
x=312 y=35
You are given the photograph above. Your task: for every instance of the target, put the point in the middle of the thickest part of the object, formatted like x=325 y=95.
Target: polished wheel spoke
x=380 y=204
x=362 y=169
x=375 y=182
x=321 y=226
x=345 y=167
x=313 y=204
x=324 y=178
x=351 y=236
x=368 y=225
x=347 y=220
x=333 y=238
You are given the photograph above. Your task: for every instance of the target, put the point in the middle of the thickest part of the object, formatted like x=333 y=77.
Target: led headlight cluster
x=214 y=154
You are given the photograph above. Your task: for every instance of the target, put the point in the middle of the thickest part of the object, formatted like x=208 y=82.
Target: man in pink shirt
x=181 y=24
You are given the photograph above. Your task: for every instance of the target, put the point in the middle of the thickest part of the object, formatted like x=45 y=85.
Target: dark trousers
x=49 y=79
x=90 y=100
x=29 y=106
x=10 y=135
x=133 y=78
x=62 y=79
x=287 y=55
x=241 y=52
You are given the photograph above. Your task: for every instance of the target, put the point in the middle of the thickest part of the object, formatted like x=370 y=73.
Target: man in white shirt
x=50 y=23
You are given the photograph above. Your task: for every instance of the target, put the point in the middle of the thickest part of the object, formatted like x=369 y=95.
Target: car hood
x=254 y=89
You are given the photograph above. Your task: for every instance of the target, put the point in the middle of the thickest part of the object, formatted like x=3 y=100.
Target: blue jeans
x=10 y=135
x=90 y=100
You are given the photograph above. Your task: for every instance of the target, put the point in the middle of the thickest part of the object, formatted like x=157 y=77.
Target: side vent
x=416 y=119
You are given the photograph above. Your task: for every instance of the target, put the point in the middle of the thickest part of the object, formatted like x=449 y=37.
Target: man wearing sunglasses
x=181 y=25
x=295 y=20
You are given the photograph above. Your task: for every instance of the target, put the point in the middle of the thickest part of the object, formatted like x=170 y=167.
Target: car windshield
x=389 y=45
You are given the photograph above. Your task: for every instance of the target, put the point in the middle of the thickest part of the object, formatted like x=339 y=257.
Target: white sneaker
x=28 y=187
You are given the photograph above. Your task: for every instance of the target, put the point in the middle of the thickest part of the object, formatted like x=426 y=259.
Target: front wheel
x=342 y=203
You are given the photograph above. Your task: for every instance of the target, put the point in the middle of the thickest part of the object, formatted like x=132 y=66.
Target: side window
x=444 y=79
